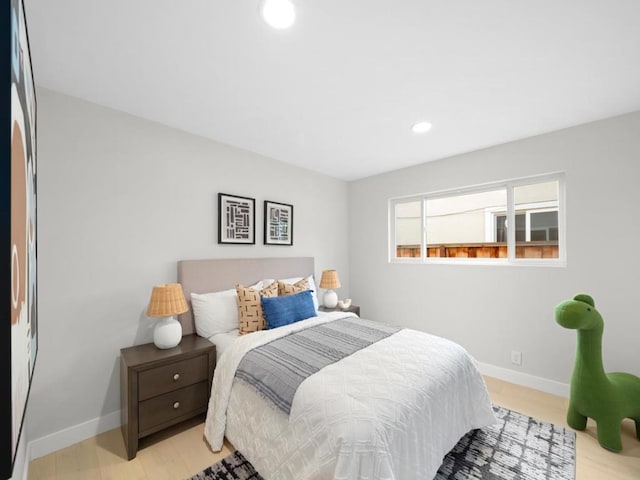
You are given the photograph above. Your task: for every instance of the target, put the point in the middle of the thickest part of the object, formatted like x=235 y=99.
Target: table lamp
x=166 y=301
x=330 y=281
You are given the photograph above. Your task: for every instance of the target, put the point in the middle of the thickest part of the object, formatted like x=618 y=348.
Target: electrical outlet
x=516 y=357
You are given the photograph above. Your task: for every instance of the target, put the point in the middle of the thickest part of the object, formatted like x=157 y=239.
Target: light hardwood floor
x=183 y=453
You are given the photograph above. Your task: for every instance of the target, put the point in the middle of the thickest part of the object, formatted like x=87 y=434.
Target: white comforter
x=390 y=411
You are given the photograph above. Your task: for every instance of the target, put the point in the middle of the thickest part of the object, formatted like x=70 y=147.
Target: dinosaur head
x=579 y=313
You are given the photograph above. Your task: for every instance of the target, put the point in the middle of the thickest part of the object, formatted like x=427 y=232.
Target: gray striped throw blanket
x=277 y=368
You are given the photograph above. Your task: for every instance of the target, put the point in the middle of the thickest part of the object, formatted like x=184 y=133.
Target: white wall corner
x=27 y=459
x=21 y=465
x=55 y=441
x=525 y=379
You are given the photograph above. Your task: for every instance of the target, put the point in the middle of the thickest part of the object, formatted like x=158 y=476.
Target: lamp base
x=330 y=299
x=167 y=333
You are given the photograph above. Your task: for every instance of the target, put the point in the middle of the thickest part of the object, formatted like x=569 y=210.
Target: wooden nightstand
x=159 y=388
x=353 y=309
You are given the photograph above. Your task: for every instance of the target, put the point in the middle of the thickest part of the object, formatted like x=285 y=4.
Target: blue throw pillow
x=280 y=311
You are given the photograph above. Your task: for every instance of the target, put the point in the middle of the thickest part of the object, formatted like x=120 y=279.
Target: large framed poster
x=19 y=232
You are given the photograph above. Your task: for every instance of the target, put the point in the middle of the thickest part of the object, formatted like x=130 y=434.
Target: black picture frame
x=236 y=219
x=278 y=223
x=18 y=240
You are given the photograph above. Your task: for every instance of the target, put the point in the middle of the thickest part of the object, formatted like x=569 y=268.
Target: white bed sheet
x=389 y=411
x=223 y=341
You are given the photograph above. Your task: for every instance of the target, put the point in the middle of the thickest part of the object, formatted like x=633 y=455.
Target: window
x=473 y=224
x=530 y=226
x=408 y=228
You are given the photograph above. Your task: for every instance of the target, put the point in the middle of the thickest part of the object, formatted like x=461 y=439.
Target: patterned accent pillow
x=289 y=289
x=250 y=307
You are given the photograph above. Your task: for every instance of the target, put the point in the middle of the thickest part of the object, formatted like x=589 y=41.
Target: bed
x=390 y=410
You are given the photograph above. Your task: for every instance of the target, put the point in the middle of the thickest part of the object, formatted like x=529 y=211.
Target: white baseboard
x=525 y=379
x=55 y=441
x=77 y=433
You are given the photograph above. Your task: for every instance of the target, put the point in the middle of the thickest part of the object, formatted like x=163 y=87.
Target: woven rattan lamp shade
x=329 y=279
x=167 y=300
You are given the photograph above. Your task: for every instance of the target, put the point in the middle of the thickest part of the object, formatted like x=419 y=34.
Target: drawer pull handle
x=176 y=405
x=176 y=377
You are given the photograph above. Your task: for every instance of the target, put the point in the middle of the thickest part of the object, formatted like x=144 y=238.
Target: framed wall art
x=278 y=223
x=236 y=219
x=19 y=334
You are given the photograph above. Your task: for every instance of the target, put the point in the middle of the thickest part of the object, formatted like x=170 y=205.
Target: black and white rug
x=518 y=447
x=231 y=467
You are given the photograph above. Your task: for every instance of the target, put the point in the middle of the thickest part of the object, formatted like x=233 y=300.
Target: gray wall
x=122 y=199
x=492 y=310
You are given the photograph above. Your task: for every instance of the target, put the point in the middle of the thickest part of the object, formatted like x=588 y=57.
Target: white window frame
x=392 y=227
x=490 y=215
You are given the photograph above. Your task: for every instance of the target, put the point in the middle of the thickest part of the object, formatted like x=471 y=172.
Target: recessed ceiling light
x=279 y=13
x=421 y=127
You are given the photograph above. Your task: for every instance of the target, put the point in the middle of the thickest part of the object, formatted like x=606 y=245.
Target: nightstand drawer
x=168 y=378
x=159 y=410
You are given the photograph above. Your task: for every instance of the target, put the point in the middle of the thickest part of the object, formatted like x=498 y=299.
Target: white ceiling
x=339 y=91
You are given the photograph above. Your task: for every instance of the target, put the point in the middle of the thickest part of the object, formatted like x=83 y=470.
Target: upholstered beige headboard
x=213 y=275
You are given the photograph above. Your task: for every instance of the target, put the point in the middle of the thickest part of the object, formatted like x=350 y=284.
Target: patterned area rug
x=518 y=447
x=232 y=467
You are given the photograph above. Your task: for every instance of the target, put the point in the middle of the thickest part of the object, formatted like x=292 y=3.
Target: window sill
x=501 y=262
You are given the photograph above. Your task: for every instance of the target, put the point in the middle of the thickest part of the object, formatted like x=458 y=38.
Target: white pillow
x=215 y=312
x=291 y=281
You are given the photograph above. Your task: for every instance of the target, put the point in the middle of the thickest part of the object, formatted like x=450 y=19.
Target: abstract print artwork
x=236 y=219
x=22 y=343
x=278 y=223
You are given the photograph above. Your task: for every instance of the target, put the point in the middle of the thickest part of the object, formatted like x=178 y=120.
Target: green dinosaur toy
x=608 y=398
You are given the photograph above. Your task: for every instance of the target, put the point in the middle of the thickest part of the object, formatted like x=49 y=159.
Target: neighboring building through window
x=473 y=223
